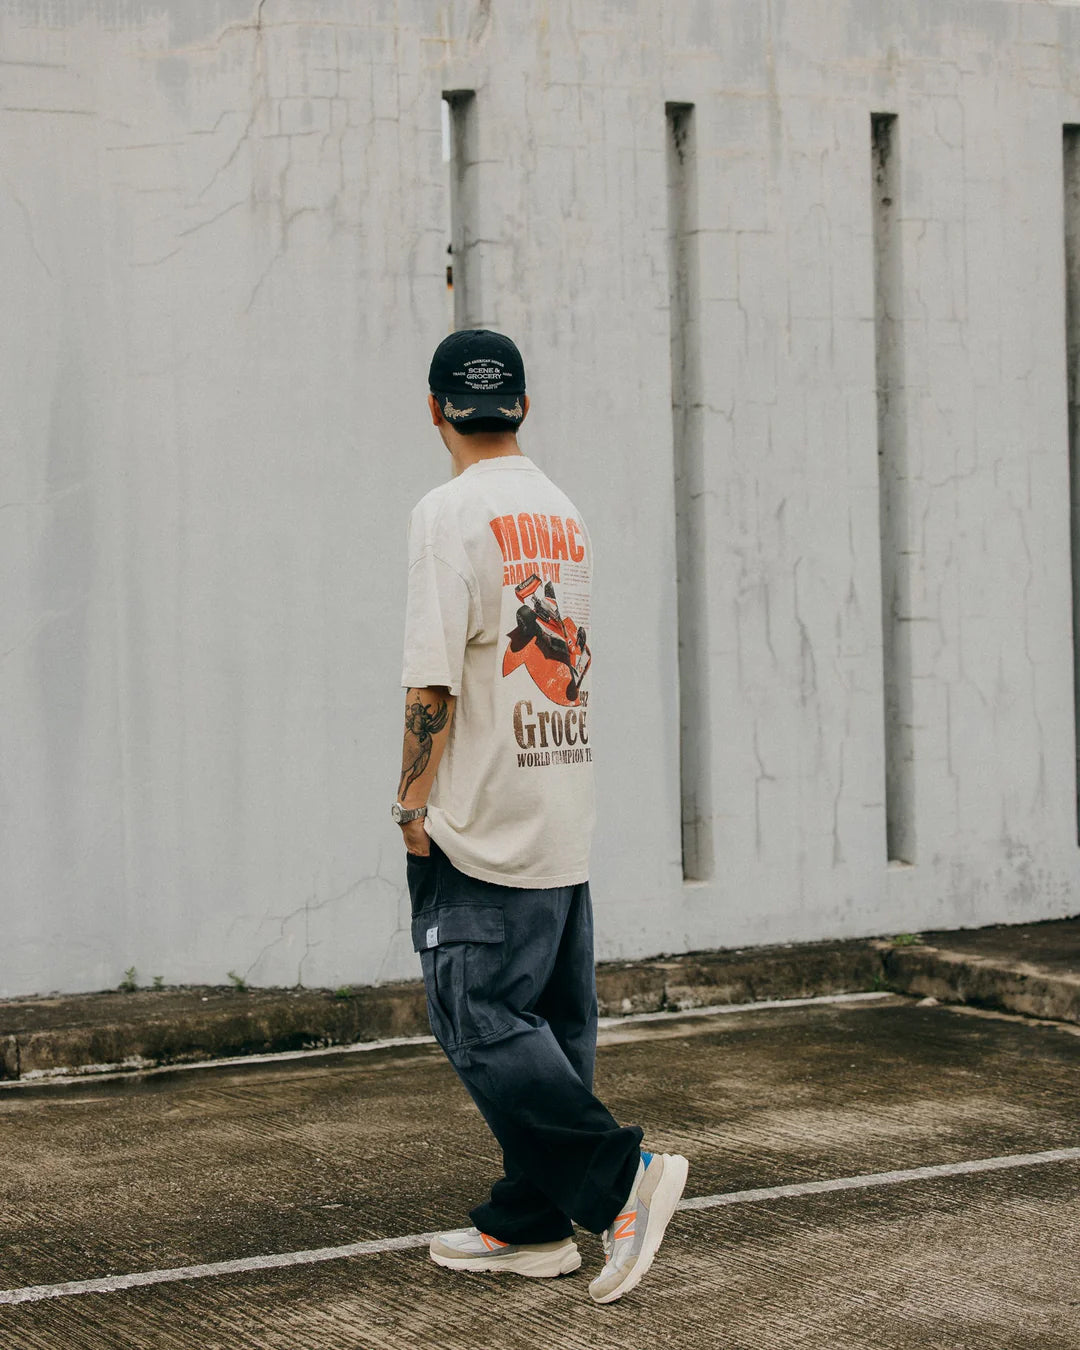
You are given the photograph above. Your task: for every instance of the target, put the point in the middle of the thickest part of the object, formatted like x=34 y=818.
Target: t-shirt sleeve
x=436 y=624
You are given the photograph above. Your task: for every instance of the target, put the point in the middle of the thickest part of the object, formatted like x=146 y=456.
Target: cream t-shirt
x=500 y=565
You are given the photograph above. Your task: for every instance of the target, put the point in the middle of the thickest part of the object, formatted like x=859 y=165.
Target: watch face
x=395 y=812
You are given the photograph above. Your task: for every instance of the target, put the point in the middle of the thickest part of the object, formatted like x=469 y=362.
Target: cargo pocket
x=461 y=953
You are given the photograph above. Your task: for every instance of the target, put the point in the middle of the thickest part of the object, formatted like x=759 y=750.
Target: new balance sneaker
x=631 y=1243
x=469 y=1249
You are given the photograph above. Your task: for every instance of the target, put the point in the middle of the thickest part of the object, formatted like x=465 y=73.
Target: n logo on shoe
x=624 y=1225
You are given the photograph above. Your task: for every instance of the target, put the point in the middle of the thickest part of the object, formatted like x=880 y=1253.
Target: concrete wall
x=224 y=230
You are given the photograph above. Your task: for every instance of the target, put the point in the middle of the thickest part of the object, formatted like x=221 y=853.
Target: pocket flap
x=456 y=923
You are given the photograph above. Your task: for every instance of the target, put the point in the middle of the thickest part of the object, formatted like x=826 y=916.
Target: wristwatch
x=402 y=817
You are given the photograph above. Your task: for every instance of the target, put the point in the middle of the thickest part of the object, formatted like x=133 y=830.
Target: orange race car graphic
x=552 y=648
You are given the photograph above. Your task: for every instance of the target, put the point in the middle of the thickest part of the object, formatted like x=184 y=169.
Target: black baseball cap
x=477 y=373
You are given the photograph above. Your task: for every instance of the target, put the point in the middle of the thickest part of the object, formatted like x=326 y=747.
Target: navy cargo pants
x=511 y=992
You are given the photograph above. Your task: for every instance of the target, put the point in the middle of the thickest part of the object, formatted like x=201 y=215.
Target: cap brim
x=457 y=408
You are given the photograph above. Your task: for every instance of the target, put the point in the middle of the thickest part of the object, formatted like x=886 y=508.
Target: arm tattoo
x=422 y=722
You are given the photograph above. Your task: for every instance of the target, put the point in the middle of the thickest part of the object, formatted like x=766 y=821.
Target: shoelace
x=609 y=1244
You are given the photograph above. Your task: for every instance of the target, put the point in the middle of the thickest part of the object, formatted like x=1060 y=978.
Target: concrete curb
x=107 y=1031
x=702 y=979
x=46 y=1037
x=963 y=977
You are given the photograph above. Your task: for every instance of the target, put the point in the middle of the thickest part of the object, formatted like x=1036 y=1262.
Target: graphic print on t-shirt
x=540 y=551
x=552 y=648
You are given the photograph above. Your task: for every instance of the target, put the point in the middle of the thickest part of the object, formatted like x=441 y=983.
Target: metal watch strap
x=403 y=816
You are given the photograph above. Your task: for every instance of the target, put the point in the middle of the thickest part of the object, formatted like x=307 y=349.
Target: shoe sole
x=664 y=1200
x=533 y=1265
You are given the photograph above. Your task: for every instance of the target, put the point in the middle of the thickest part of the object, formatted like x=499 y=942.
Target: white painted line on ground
x=100 y=1073
x=958 y=1169
x=110 y=1284
x=762 y=1005
x=105 y=1073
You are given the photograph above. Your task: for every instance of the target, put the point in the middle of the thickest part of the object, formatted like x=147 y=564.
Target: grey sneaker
x=469 y=1249
x=631 y=1243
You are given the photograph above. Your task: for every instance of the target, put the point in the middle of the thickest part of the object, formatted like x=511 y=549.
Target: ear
x=525 y=405
x=437 y=418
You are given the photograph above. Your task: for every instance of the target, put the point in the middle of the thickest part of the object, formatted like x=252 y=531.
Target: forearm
x=428 y=715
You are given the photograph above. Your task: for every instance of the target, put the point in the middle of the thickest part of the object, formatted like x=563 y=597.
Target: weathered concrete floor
x=218 y=1164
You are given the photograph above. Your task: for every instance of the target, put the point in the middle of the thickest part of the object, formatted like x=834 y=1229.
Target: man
x=495 y=804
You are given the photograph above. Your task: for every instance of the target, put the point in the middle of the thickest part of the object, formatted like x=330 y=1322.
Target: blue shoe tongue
x=646 y=1158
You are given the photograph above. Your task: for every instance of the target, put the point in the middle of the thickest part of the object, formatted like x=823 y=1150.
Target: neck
x=468 y=450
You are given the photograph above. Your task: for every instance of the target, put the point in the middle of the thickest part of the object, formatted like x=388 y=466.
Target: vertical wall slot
x=695 y=729
x=1072 y=353
x=462 y=279
x=893 y=479
x=447 y=226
